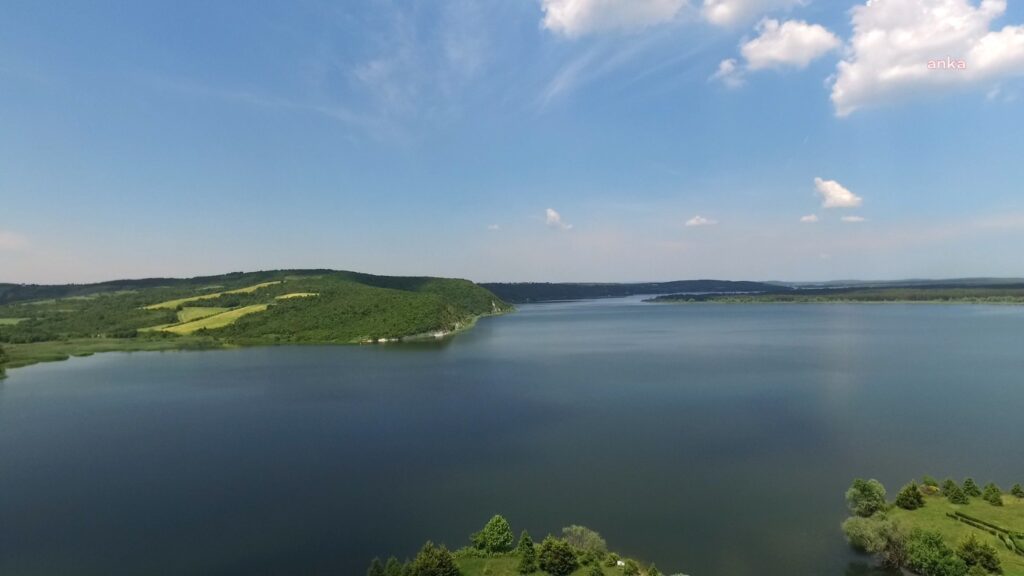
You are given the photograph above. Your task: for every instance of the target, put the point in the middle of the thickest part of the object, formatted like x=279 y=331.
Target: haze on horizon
x=543 y=140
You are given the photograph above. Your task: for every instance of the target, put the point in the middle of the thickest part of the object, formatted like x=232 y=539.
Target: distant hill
x=545 y=292
x=40 y=322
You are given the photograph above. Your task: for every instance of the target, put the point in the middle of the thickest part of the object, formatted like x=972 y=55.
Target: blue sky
x=559 y=140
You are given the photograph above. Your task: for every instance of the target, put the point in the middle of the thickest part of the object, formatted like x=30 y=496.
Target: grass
x=506 y=566
x=933 y=517
x=198 y=313
x=10 y=321
x=216 y=321
x=172 y=304
x=297 y=295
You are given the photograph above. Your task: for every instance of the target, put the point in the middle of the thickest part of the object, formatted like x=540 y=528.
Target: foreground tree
x=865 y=497
x=556 y=557
x=496 y=537
x=879 y=536
x=434 y=561
x=909 y=497
x=376 y=568
x=393 y=567
x=928 y=554
x=527 y=554
x=585 y=540
x=974 y=552
x=992 y=494
x=971 y=488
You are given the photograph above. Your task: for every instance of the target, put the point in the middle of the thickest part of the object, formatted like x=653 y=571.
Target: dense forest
x=994 y=294
x=302 y=306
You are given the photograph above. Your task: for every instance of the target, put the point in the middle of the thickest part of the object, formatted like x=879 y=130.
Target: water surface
x=712 y=439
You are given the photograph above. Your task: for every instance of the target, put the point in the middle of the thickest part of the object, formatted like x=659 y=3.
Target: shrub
x=376 y=568
x=556 y=557
x=631 y=568
x=909 y=497
x=433 y=561
x=1017 y=491
x=976 y=571
x=928 y=554
x=496 y=537
x=974 y=552
x=929 y=481
x=878 y=536
x=992 y=494
x=971 y=488
x=957 y=496
x=595 y=570
x=612 y=560
x=653 y=571
x=527 y=554
x=393 y=567
x=585 y=539
x=865 y=497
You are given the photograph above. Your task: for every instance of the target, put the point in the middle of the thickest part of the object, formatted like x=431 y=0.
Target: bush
x=971 y=488
x=878 y=536
x=653 y=571
x=909 y=497
x=376 y=568
x=496 y=537
x=929 y=481
x=595 y=570
x=556 y=557
x=992 y=494
x=976 y=571
x=612 y=560
x=527 y=554
x=928 y=555
x=957 y=496
x=584 y=539
x=1017 y=491
x=974 y=552
x=947 y=486
x=865 y=497
x=393 y=567
x=433 y=561
x=631 y=568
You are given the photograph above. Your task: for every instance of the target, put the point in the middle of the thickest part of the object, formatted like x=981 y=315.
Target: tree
x=976 y=571
x=974 y=552
x=929 y=481
x=928 y=554
x=971 y=488
x=595 y=570
x=865 y=497
x=393 y=567
x=947 y=486
x=3 y=361
x=376 y=568
x=585 y=540
x=527 y=554
x=1017 y=491
x=653 y=571
x=992 y=494
x=956 y=495
x=496 y=537
x=556 y=557
x=878 y=536
x=631 y=568
x=612 y=560
x=909 y=497
x=434 y=561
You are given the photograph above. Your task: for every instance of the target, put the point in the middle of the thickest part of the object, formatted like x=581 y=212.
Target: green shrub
x=947 y=486
x=434 y=561
x=992 y=494
x=556 y=557
x=909 y=497
x=496 y=537
x=971 y=488
x=878 y=536
x=612 y=560
x=928 y=554
x=527 y=554
x=376 y=568
x=929 y=481
x=631 y=568
x=956 y=495
x=975 y=552
x=865 y=497
x=1017 y=491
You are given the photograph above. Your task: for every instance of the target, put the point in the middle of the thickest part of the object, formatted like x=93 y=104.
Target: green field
x=10 y=321
x=297 y=295
x=216 y=321
x=197 y=313
x=174 y=304
x=933 y=517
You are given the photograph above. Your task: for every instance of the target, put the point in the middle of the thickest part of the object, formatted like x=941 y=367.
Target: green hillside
x=39 y=323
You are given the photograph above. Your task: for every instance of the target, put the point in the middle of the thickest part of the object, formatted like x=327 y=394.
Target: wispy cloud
x=12 y=241
x=699 y=220
x=809 y=219
x=853 y=219
x=494 y=227
x=554 y=220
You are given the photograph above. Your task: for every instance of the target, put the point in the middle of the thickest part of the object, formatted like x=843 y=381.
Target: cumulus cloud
x=731 y=12
x=792 y=43
x=728 y=73
x=12 y=241
x=809 y=219
x=894 y=40
x=699 y=220
x=575 y=18
x=834 y=195
x=852 y=219
x=554 y=220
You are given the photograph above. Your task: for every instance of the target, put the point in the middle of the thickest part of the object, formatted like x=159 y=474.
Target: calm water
x=716 y=440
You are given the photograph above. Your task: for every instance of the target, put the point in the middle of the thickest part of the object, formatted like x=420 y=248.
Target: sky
x=513 y=140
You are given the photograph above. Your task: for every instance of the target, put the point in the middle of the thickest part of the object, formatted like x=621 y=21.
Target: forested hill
x=546 y=292
x=282 y=306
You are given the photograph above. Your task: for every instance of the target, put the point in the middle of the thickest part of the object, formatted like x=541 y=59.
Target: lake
x=712 y=439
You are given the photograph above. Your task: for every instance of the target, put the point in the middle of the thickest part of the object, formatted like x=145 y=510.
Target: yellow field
x=297 y=295
x=216 y=321
x=197 y=313
x=10 y=321
x=171 y=304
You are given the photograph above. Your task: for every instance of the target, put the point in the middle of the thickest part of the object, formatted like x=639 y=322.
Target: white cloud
x=834 y=195
x=12 y=241
x=494 y=227
x=731 y=12
x=575 y=18
x=894 y=40
x=699 y=220
x=554 y=220
x=792 y=43
x=852 y=219
x=809 y=219
x=728 y=73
